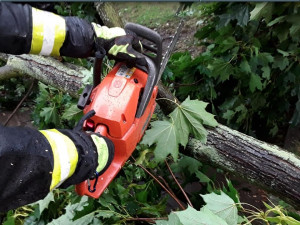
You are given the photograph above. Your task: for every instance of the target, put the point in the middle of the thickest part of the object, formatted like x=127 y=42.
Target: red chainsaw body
x=115 y=101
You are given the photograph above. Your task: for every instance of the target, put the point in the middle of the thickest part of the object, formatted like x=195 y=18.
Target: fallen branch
x=265 y=165
x=7 y=72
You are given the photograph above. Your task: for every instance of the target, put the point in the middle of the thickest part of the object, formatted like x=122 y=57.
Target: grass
x=150 y=14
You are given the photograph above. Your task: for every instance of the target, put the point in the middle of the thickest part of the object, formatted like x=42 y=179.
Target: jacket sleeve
x=24 y=29
x=35 y=162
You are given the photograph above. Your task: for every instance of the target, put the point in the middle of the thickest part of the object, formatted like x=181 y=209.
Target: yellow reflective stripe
x=108 y=33
x=37 y=32
x=60 y=35
x=115 y=49
x=65 y=156
x=56 y=165
x=72 y=152
x=102 y=151
x=48 y=33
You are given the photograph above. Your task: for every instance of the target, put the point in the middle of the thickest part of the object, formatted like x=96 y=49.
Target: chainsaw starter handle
x=152 y=61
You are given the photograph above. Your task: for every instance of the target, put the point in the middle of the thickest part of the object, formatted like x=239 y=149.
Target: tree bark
x=262 y=164
x=108 y=14
x=265 y=165
x=63 y=76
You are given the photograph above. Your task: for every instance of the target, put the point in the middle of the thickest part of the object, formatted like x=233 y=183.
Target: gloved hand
x=95 y=152
x=35 y=162
x=120 y=44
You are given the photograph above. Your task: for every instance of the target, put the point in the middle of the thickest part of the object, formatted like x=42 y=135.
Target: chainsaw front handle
x=153 y=61
x=151 y=36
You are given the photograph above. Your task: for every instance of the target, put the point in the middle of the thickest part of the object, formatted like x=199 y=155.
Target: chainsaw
x=120 y=106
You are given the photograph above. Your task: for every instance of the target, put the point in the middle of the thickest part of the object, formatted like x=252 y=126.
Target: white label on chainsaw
x=124 y=71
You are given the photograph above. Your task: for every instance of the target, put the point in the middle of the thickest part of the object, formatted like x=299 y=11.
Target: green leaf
x=50 y=115
x=43 y=204
x=262 y=10
x=239 y=12
x=245 y=67
x=277 y=20
x=194 y=113
x=202 y=177
x=266 y=72
x=231 y=192
x=71 y=210
x=172 y=220
x=142 y=196
x=72 y=112
x=163 y=133
x=67 y=217
x=142 y=157
x=10 y=219
x=191 y=216
x=106 y=213
x=281 y=32
x=264 y=58
x=242 y=113
x=221 y=68
x=284 y=53
x=86 y=219
x=255 y=82
x=181 y=123
x=223 y=206
x=186 y=162
x=228 y=115
x=281 y=63
x=228 y=43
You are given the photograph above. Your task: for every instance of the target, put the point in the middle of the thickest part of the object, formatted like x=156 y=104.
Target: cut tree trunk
x=265 y=165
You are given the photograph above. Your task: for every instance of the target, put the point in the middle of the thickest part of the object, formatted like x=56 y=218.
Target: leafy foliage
x=249 y=71
x=55 y=109
x=12 y=91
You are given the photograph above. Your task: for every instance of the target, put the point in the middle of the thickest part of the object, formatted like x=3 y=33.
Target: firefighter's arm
x=24 y=29
x=35 y=162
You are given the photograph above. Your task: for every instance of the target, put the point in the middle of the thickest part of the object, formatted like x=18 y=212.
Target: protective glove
x=120 y=44
x=95 y=154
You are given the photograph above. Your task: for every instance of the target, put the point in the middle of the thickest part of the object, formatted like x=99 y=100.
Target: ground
x=166 y=23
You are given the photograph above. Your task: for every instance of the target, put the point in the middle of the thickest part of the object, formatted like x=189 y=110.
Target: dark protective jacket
x=21 y=29
x=34 y=162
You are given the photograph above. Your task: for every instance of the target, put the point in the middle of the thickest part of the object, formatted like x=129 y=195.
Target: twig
x=185 y=195
x=186 y=85
x=166 y=189
x=147 y=219
x=166 y=184
x=20 y=103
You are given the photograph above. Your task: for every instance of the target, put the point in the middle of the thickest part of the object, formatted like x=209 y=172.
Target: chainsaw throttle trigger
x=99 y=55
